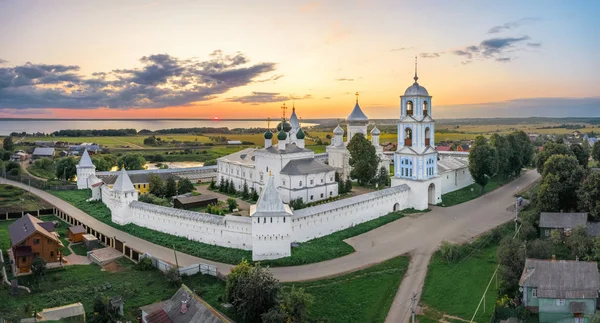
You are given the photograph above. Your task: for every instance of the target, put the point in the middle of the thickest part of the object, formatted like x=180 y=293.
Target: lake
x=49 y=126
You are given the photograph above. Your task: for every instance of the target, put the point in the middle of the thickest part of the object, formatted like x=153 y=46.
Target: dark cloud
x=162 y=81
x=272 y=78
x=493 y=48
x=512 y=25
x=536 y=45
x=265 y=97
x=3 y=61
x=326 y=97
x=401 y=49
x=430 y=55
x=344 y=79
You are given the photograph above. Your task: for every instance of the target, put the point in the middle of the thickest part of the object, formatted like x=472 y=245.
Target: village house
x=43 y=152
x=141 y=181
x=560 y=291
x=564 y=222
x=30 y=237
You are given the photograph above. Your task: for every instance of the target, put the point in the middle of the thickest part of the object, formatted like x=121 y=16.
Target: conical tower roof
x=85 y=160
x=375 y=131
x=294 y=120
x=269 y=201
x=123 y=182
x=338 y=130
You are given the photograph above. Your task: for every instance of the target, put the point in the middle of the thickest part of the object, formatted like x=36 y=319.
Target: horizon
x=150 y=63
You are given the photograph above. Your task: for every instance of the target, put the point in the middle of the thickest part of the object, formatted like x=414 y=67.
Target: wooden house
x=30 y=237
x=76 y=233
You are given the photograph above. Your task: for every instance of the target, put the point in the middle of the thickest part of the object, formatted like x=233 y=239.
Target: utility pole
x=176 y=262
x=413 y=303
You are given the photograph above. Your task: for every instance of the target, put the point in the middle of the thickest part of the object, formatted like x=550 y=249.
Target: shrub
x=450 y=252
x=173 y=277
x=232 y=204
x=144 y=264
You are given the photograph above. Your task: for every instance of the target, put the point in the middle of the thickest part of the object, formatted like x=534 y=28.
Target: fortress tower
x=85 y=169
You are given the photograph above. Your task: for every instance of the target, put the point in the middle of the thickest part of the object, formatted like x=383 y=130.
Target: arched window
x=406 y=169
x=425 y=108
x=408 y=137
x=409 y=108
x=427 y=136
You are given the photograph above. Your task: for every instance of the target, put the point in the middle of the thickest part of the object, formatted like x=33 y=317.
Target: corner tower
x=85 y=169
x=415 y=159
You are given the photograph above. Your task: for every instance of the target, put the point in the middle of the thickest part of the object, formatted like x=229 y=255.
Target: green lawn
x=41 y=172
x=456 y=288
x=320 y=249
x=471 y=192
x=15 y=199
x=79 y=249
x=83 y=283
x=361 y=296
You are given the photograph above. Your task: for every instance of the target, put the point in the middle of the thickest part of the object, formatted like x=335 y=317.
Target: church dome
x=268 y=134
x=357 y=115
x=416 y=89
x=294 y=122
x=286 y=126
x=281 y=135
x=375 y=132
x=300 y=134
x=338 y=131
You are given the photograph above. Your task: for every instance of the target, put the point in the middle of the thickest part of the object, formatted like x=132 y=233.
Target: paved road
x=418 y=235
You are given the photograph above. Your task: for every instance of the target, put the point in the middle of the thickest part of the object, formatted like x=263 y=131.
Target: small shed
x=76 y=233
x=90 y=241
x=565 y=222
x=188 y=202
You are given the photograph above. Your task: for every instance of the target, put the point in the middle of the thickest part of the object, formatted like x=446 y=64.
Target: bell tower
x=415 y=159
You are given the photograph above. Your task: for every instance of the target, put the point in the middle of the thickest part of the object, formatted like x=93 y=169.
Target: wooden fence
x=17 y=215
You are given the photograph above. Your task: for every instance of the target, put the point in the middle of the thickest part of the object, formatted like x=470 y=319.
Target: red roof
x=442 y=148
x=158 y=316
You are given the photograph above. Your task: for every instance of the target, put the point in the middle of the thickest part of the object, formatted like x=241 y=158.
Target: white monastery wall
x=455 y=179
x=272 y=237
x=324 y=219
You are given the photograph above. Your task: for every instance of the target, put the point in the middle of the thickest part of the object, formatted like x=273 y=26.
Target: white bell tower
x=85 y=169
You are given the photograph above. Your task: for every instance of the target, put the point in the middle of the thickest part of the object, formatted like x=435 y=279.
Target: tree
x=363 y=159
x=44 y=163
x=132 y=161
x=173 y=277
x=102 y=164
x=254 y=195
x=581 y=154
x=38 y=267
x=596 y=151
x=383 y=178
x=185 y=186
x=8 y=144
x=296 y=303
x=13 y=168
x=539 y=249
x=231 y=188
x=5 y=155
x=222 y=184
x=482 y=161
x=297 y=203
x=157 y=185
x=503 y=153
x=153 y=199
x=561 y=179
x=348 y=188
x=252 y=290
x=550 y=149
x=66 y=168
x=232 y=204
x=170 y=187
x=589 y=196
x=580 y=245
x=212 y=184
x=245 y=191
x=511 y=258
x=275 y=315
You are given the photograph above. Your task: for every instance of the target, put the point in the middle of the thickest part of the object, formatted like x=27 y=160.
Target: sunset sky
x=243 y=59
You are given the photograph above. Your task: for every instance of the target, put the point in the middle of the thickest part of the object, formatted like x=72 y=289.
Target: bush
x=297 y=203
x=173 y=277
x=13 y=168
x=153 y=199
x=450 y=252
x=144 y=264
x=232 y=204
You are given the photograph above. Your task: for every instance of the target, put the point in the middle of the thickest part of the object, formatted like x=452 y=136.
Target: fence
x=18 y=215
x=163 y=266
x=34 y=182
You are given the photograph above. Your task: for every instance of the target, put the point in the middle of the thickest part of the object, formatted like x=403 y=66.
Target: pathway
x=74 y=259
x=243 y=206
x=24 y=165
x=419 y=236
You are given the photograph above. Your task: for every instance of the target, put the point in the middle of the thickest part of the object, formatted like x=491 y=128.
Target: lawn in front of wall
x=472 y=191
x=362 y=296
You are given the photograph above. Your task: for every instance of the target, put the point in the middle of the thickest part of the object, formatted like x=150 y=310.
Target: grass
x=83 y=283
x=15 y=199
x=362 y=296
x=42 y=172
x=456 y=288
x=79 y=249
x=471 y=192
x=333 y=246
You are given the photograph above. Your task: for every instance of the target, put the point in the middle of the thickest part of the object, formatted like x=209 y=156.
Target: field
x=14 y=199
x=362 y=296
x=41 y=172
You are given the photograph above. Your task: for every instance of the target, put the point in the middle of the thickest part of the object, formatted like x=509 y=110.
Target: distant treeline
x=133 y=132
x=95 y=133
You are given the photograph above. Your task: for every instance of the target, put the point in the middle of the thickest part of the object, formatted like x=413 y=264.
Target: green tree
x=348 y=187
x=102 y=164
x=589 y=196
x=550 y=149
x=173 y=277
x=185 y=186
x=580 y=245
x=245 y=191
x=511 y=258
x=8 y=144
x=66 y=168
x=482 y=161
x=5 y=155
x=383 y=178
x=157 y=185
x=238 y=272
x=255 y=294
x=363 y=159
x=596 y=317
x=38 y=267
x=222 y=185
x=296 y=303
x=561 y=180
x=231 y=188
x=596 y=151
x=503 y=153
x=170 y=187
x=539 y=249
x=153 y=199
x=581 y=154
x=297 y=203
x=132 y=161
x=44 y=163
x=212 y=184
x=254 y=195
x=232 y=204
x=275 y=315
